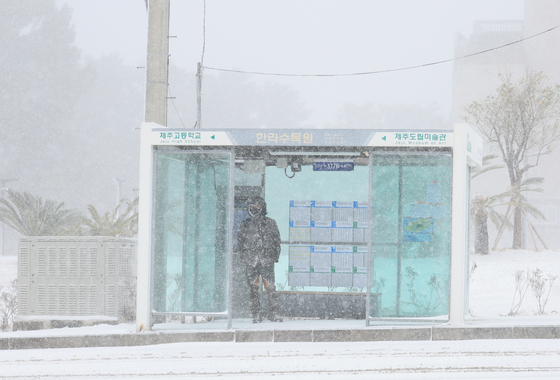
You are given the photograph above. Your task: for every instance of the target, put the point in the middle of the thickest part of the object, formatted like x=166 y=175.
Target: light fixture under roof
x=315 y=153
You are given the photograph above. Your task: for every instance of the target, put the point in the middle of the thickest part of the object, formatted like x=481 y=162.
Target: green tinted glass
x=191 y=232
x=411 y=235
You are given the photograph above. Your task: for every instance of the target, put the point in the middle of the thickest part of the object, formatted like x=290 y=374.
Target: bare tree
x=520 y=119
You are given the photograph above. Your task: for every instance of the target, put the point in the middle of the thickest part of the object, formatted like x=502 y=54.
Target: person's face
x=255 y=210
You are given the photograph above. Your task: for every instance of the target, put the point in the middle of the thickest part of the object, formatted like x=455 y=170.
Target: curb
x=430 y=333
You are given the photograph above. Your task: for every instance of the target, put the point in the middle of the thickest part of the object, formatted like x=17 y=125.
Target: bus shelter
x=373 y=223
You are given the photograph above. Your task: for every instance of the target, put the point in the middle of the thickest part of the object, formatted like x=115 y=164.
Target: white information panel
x=359 y=268
x=326 y=226
x=299 y=265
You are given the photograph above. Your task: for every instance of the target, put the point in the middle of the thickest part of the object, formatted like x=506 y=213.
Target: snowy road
x=506 y=359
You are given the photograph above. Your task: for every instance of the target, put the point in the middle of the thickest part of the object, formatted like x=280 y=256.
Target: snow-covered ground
x=492 y=285
x=492 y=289
x=486 y=359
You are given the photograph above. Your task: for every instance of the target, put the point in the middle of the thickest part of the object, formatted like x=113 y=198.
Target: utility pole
x=157 y=63
x=199 y=96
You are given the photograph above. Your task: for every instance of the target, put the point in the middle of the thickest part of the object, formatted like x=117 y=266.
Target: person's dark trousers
x=254 y=299
x=272 y=302
x=267 y=273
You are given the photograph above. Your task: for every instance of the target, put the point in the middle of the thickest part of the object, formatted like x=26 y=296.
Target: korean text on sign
x=421 y=136
x=295 y=137
x=179 y=135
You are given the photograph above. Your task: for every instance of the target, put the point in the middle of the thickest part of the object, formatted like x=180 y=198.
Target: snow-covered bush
x=8 y=306
x=425 y=303
x=539 y=287
x=521 y=285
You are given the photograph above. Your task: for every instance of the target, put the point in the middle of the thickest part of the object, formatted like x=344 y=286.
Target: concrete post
x=157 y=62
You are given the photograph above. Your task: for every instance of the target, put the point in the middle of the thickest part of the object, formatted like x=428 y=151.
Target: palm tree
x=519 y=202
x=481 y=208
x=30 y=216
x=484 y=207
x=113 y=223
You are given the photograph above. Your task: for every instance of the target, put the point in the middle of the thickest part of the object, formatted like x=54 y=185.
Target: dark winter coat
x=258 y=240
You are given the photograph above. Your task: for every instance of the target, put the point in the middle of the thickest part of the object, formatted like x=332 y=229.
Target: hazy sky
x=304 y=37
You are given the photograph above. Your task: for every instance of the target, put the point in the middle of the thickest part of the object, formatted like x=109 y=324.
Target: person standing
x=258 y=243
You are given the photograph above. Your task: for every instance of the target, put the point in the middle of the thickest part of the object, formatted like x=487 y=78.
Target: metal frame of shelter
x=461 y=144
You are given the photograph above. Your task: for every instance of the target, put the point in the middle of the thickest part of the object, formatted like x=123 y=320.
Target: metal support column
x=145 y=232
x=459 y=204
x=230 y=237
x=399 y=240
x=369 y=239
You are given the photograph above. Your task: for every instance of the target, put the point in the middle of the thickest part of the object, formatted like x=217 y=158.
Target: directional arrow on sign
x=213 y=137
x=384 y=138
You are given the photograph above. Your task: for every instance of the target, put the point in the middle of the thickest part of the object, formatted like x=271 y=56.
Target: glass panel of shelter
x=191 y=232
x=411 y=236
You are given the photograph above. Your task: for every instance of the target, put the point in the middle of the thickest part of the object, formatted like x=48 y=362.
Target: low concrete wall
x=27 y=323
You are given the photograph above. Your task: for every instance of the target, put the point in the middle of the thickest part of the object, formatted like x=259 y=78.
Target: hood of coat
x=256 y=206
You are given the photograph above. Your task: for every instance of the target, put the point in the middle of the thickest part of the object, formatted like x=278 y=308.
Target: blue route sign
x=333 y=165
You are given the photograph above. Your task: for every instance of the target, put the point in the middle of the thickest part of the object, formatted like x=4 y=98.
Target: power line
x=172 y=98
x=387 y=70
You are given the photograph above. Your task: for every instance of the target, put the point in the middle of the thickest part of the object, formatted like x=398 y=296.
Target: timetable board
x=326 y=226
